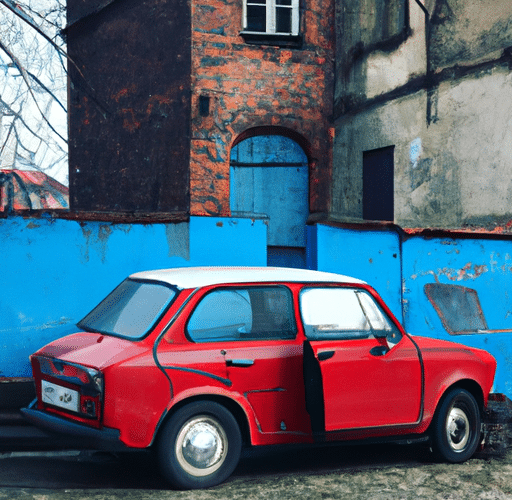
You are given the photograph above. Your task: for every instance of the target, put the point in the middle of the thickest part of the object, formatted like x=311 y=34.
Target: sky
x=27 y=140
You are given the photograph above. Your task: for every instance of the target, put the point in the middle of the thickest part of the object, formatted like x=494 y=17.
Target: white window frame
x=271 y=9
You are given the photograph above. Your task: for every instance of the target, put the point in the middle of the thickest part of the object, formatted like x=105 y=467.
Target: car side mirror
x=380 y=334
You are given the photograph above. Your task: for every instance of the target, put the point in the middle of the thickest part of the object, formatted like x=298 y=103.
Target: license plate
x=57 y=395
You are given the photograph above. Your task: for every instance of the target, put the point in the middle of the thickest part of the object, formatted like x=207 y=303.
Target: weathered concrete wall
x=441 y=97
x=465 y=32
x=454 y=173
x=251 y=89
x=129 y=105
x=55 y=271
x=380 y=46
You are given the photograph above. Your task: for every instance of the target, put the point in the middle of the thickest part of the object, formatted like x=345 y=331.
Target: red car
x=197 y=362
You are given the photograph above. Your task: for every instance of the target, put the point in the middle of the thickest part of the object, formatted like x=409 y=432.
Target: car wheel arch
x=231 y=405
x=469 y=385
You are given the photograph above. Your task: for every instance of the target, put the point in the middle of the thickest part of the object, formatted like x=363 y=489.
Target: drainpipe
x=429 y=84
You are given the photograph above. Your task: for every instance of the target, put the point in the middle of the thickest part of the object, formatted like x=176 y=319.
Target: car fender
x=235 y=402
x=447 y=365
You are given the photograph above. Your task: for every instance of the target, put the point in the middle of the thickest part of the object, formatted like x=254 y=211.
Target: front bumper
x=102 y=439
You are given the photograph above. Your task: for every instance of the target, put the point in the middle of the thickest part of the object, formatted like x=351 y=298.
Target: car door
x=360 y=371
x=254 y=327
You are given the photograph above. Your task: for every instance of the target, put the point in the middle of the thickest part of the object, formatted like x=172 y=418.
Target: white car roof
x=194 y=277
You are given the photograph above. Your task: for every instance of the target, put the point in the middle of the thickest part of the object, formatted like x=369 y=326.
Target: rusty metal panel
x=129 y=109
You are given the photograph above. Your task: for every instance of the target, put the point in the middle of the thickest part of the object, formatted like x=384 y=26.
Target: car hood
x=92 y=349
x=438 y=348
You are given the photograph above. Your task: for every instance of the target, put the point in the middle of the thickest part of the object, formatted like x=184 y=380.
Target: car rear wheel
x=199 y=446
x=456 y=426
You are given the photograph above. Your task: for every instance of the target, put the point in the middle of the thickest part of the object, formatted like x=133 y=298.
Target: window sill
x=276 y=40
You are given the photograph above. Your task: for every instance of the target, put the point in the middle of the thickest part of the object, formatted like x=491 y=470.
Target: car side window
x=344 y=313
x=252 y=313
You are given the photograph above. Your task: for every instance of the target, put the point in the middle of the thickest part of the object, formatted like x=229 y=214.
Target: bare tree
x=33 y=87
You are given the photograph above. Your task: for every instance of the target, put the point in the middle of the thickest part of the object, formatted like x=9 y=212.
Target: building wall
x=162 y=90
x=258 y=89
x=454 y=173
x=466 y=32
x=441 y=98
x=129 y=105
x=482 y=264
x=55 y=271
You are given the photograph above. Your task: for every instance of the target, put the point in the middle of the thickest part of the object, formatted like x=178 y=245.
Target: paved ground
x=379 y=472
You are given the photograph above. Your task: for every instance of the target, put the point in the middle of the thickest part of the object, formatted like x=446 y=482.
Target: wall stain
x=100 y=241
x=84 y=249
x=178 y=240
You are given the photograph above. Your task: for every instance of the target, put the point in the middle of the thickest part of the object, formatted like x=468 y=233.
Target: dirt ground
x=388 y=472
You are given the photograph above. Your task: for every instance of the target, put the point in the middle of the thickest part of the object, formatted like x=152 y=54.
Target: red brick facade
x=251 y=89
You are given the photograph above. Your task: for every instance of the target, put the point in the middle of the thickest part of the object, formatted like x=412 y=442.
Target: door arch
x=269 y=176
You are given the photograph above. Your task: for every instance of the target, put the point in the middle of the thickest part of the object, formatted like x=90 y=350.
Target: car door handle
x=242 y=363
x=322 y=356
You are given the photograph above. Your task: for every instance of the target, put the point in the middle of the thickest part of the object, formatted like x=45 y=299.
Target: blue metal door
x=269 y=178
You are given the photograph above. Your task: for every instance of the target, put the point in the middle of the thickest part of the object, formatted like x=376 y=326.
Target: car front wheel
x=199 y=446
x=457 y=425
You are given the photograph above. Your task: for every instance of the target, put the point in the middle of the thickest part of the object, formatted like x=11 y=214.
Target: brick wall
x=245 y=86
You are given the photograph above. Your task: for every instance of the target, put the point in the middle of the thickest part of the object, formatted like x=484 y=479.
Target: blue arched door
x=269 y=177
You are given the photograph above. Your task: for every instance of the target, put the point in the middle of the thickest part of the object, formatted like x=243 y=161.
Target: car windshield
x=131 y=310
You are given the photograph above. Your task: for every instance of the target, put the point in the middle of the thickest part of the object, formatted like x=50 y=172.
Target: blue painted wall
x=369 y=255
x=484 y=265
x=55 y=271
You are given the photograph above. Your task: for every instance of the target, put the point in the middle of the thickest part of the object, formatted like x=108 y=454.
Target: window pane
x=130 y=310
x=379 y=322
x=333 y=313
x=256 y=18
x=257 y=313
x=283 y=20
x=283 y=2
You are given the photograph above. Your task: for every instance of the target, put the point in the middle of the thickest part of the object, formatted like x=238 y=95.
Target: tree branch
x=25 y=77
x=15 y=9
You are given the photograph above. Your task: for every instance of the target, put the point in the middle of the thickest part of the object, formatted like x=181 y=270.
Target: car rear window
x=131 y=310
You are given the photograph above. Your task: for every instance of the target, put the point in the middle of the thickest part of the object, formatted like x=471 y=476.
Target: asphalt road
x=343 y=472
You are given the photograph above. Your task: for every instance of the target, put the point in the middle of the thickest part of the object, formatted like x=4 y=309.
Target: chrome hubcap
x=457 y=429
x=201 y=446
